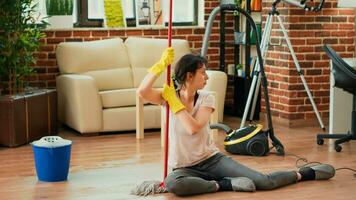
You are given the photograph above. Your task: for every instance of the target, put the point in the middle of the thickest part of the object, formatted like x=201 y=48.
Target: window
x=83 y=17
x=184 y=12
x=40 y=11
x=91 y=13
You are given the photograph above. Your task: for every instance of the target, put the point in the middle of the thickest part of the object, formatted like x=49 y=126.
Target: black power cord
x=308 y=164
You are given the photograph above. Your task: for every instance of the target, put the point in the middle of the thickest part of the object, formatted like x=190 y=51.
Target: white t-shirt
x=185 y=149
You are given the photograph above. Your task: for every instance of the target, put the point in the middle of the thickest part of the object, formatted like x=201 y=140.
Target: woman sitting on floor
x=198 y=166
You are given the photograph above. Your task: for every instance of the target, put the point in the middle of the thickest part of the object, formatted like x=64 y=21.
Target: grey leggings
x=201 y=178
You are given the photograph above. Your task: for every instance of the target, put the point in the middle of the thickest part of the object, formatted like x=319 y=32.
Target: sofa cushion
x=118 y=98
x=110 y=79
x=145 y=52
x=140 y=73
x=80 y=57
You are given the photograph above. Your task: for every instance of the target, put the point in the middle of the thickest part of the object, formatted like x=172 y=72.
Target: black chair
x=345 y=78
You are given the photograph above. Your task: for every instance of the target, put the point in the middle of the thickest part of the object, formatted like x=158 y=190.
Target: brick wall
x=46 y=64
x=308 y=32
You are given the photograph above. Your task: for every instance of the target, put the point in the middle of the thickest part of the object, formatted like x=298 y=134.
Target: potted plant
x=19 y=39
x=240 y=70
x=60 y=13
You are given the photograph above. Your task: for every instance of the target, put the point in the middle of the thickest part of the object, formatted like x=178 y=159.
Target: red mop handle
x=166 y=131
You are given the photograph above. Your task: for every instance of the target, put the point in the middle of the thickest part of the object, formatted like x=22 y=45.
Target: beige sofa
x=98 y=81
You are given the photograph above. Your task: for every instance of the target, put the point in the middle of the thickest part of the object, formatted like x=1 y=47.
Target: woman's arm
x=146 y=90
x=191 y=124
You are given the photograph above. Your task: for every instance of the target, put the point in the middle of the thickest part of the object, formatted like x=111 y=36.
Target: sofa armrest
x=214 y=118
x=217 y=83
x=79 y=103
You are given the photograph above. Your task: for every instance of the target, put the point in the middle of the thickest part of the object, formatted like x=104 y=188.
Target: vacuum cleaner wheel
x=257 y=147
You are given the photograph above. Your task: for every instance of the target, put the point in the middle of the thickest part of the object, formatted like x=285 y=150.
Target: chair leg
x=330 y=136
x=320 y=137
x=337 y=143
x=341 y=138
x=347 y=138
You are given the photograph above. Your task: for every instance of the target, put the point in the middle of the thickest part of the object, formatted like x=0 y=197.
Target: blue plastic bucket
x=52 y=161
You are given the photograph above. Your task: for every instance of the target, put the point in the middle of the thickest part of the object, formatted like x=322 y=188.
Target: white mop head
x=148 y=187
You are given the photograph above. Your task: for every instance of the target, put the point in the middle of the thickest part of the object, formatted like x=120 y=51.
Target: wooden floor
x=108 y=166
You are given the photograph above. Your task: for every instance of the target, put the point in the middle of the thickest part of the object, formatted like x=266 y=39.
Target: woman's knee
x=169 y=182
x=176 y=186
x=263 y=182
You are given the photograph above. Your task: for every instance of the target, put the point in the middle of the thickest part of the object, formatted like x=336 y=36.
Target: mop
x=156 y=187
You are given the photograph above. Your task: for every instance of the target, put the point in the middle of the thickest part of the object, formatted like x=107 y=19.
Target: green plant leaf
x=19 y=39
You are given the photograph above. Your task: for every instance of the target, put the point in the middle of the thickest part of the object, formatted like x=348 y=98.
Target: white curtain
x=75 y=10
x=183 y=10
x=128 y=8
x=96 y=9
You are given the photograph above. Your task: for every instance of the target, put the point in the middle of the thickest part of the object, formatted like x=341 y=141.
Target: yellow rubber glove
x=166 y=59
x=169 y=94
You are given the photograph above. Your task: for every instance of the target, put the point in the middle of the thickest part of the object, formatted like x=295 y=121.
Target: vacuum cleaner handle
x=223 y=127
x=276 y=143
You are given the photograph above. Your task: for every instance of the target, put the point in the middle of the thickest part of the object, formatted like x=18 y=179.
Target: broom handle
x=168 y=83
